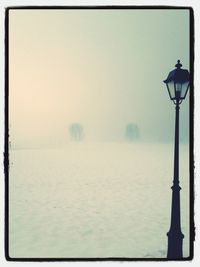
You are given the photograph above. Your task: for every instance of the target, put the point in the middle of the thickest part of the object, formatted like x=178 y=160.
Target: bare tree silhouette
x=76 y=131
x=132 y=132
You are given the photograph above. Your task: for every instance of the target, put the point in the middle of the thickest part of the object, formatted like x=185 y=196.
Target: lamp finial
x=178 y=65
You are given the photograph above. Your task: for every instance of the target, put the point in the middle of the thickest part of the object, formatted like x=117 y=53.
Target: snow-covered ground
x=95 y=200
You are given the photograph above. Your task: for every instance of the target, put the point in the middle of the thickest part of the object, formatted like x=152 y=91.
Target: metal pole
x=175 y=236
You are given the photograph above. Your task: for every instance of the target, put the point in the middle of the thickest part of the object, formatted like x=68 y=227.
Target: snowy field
x=94 y=200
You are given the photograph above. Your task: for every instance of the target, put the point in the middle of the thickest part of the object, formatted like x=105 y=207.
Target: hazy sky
x=102 y=68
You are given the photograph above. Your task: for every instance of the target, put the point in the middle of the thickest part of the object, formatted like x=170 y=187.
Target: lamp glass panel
x=171 y=89
x=184 y=89
x=178 y=87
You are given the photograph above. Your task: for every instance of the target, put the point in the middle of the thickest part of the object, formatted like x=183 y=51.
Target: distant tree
x=132 y=132
x=76 y=131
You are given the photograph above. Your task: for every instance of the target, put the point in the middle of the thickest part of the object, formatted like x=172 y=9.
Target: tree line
x=76 y=131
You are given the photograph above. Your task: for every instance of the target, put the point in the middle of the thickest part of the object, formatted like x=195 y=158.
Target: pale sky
x=102 y=68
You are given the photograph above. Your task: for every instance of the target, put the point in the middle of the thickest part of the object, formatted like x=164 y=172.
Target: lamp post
x=177 y=84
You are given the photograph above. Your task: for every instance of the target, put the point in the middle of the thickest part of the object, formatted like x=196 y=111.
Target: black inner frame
x=191 y=132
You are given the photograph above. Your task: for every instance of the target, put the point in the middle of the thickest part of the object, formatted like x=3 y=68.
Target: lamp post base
x=175 y=243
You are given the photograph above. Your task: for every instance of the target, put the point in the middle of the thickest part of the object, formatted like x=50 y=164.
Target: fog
x=102 y=69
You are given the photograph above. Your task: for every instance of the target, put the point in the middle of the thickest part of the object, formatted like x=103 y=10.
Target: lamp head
x=177 y=83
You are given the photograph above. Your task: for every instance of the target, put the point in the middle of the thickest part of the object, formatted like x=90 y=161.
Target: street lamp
x=177 y=84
